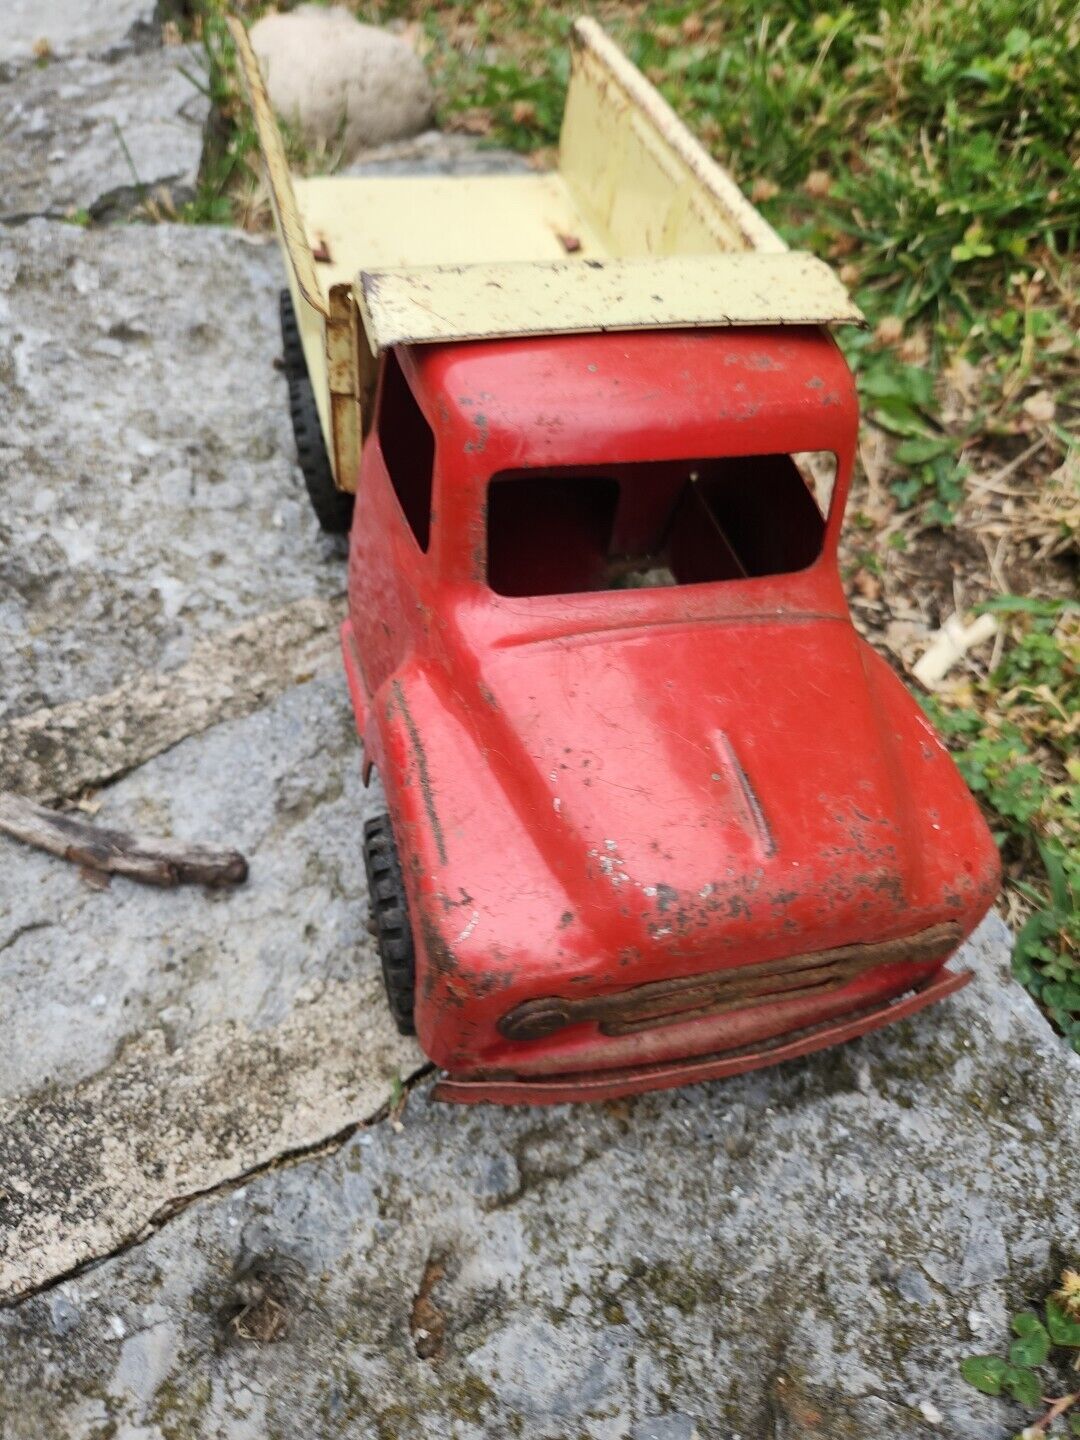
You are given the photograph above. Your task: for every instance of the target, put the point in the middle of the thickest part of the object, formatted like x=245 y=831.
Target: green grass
x=929 y=151
x=1015 y=742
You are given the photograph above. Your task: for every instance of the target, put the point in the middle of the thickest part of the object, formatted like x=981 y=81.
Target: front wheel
x=389 y=921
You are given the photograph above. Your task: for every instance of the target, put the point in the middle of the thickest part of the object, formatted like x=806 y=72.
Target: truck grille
x=741 y=987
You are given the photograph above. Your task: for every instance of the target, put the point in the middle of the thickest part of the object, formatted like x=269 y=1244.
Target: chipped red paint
x=598 y=791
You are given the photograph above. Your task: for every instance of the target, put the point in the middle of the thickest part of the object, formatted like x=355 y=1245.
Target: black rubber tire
x=333 y=508
x=390 y=920
x=291 y=344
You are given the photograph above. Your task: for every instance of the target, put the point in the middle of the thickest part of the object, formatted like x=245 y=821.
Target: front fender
x=487 y=912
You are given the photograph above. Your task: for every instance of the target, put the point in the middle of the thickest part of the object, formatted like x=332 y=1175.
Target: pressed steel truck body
x=656 y=812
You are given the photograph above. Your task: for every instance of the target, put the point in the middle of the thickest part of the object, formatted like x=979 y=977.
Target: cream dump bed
x=373 y=262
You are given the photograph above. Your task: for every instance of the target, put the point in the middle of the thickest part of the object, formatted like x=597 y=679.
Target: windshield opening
x=657 y=523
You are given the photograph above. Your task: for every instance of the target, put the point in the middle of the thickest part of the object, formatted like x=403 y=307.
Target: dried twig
x=1057 y=1408
x=991 y=482
x=114 y=852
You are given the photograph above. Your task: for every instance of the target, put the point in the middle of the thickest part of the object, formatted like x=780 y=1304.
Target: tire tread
x=390 y=918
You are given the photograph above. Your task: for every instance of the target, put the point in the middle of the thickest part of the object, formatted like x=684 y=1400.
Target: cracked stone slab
x=98 y=137
x=58 y=752
x=164 y=593
x=157 y=1043
x=803 y=1253
x=151 y=495
x=85 y=26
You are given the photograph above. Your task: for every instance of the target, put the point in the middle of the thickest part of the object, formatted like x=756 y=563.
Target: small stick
x=1057 y=1407
x=114 y=852
x=950 y=644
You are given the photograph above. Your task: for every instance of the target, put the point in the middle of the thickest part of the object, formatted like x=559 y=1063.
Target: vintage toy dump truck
x=656 y=813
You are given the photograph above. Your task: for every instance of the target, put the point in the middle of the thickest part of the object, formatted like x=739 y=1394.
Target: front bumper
x=509 y=1089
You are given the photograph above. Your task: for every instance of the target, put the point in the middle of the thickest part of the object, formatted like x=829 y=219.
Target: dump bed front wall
x=475 y=302
x=637 y=172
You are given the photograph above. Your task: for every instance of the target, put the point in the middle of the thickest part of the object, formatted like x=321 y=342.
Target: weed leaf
x=985 y=1372
x=1022 y=1384
x=1034 y=1344
x=1064 y=1330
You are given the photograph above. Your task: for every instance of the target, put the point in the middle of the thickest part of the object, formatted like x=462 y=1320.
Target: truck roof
x=605 y=398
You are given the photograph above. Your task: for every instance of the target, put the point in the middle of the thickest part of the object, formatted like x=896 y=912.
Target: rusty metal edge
x=346 y=419
x=440 y=304
x=610 y=1085
x=276 y=169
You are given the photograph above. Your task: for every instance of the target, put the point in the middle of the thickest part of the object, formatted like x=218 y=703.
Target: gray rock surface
x=728 y=1261
x=85 y=26
x=100 y=136
x=59 y=751
x=160 y=579
x=155 y=1044
x=344 y=85
x=150 y=493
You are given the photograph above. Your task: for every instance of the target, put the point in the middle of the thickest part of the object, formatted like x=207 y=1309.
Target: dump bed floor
x=385 y=221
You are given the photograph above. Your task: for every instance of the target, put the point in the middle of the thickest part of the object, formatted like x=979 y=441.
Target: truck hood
x=706 y=775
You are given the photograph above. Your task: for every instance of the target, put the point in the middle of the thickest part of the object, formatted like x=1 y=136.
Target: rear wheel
x=291 y=344
x=333 y=508
x=390 y=920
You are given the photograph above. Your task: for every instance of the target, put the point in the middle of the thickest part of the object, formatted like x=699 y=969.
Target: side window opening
x=408 y=448
x=654 y=524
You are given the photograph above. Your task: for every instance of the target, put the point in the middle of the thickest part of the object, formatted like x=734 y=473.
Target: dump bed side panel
x=637 y=172
x=325 y=315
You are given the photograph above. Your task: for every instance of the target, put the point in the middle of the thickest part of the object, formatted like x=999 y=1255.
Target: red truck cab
x=656 y=812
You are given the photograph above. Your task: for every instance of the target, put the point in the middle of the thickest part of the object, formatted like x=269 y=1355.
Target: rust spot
x=441 y=963
x=479 y=445
x=427 y=1323
x=666 y=897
